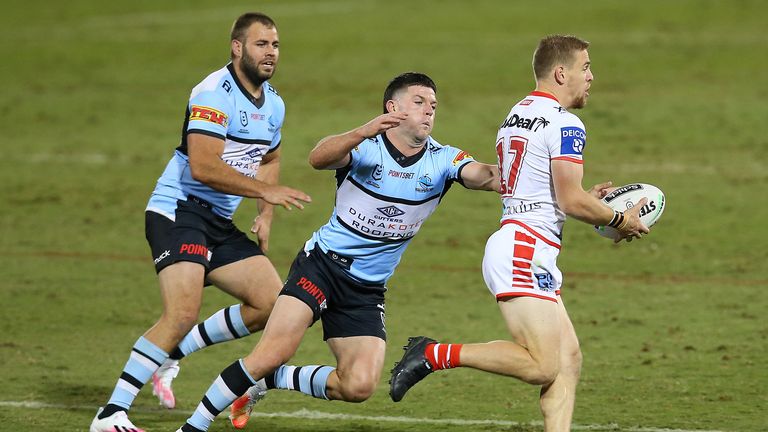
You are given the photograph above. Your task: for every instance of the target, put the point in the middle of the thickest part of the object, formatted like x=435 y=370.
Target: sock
x=233 y=382
x=310 y=380
x=144 y=360
x=443 y=356
x=226 y=324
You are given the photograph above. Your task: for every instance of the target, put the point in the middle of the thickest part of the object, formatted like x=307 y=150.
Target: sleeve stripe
x=568 y=159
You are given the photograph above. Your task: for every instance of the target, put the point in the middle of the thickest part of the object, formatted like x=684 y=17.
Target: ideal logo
x=572 y=140
x=521 y=122
x=254 y=153
x=391 y=211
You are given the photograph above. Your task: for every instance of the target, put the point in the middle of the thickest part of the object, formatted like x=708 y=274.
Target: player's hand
x=382 y=123
x=600 y=190
x=285 y=197
x=262 y=224
x=633 y=228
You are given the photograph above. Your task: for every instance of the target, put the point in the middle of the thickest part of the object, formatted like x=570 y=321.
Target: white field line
x=320 y=415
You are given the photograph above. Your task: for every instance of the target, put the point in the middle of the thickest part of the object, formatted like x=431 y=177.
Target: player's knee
x=357 y=387
x=179 y=323
x=546 y=375
x=571 y=363
x=255 y=316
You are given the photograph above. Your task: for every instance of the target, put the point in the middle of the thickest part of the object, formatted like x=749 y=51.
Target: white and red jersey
x=536 y=131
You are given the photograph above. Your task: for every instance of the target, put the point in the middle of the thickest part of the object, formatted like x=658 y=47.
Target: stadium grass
x=672 y=327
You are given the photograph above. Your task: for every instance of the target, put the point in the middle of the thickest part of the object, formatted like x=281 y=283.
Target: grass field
x=673 y=327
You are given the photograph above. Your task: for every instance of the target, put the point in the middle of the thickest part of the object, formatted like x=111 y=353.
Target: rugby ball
x=626 y=197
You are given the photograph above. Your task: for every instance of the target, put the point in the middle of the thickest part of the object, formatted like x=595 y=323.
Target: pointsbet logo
x=199 y=112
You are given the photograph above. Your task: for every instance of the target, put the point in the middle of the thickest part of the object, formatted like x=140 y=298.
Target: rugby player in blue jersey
x=230 y=149
x=391 y=175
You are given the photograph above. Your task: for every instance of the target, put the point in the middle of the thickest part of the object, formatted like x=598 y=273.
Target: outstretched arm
x=207 y=167
x=480 y=176
x=332 y=152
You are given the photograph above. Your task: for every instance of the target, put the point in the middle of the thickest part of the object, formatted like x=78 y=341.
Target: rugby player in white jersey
x=391 y=175
x=230 y=149
x=539 y=146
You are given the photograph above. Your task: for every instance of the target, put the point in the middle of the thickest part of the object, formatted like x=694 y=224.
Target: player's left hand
x=600 y=190
x=262 y=225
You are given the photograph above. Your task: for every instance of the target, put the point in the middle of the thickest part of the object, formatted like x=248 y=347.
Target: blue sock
x=145 y=358
x=226 y=324
x=233 y=382
x=310 y=380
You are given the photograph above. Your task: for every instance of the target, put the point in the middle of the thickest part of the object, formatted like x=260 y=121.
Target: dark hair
x=554 y=50
x=404 y=81
x=244 y=21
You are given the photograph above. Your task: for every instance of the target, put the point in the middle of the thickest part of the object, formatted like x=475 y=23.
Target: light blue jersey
x=221 y=107
x=382 y=200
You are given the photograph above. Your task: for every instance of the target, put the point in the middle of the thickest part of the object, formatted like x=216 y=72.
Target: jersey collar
x=401 y=159
x=258 y=102
x=544 y=94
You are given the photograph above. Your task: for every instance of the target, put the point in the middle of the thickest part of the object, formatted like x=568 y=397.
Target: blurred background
x=672 y=327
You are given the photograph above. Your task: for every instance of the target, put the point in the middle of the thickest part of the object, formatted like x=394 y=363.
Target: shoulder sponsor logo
x=391 y=211
x=526 y=102
x=524 y=123
x=227 y=86
x=572 y=140
x=204 y=113
x=461 y=156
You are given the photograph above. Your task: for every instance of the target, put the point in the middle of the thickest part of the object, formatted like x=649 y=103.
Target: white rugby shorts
x=519 y=262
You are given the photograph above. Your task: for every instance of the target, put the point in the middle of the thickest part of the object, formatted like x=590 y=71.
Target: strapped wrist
x=618 y=221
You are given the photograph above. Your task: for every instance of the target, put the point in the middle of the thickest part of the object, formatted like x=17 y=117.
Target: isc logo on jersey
x=198 y=112
x=572 y=140
x=461 y=156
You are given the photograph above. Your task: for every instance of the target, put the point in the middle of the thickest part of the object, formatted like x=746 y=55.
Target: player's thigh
x=181 y=288
x=252 y=280
x=359 y=359
x=535 y=324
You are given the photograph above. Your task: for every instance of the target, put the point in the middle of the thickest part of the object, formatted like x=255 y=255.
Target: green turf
x=673 y=327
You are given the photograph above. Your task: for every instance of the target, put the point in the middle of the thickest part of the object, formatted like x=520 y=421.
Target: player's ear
x=391 y=106
x=559 y=73
x=237 y=48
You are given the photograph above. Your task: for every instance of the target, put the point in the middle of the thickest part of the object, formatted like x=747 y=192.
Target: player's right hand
x=285 y=196
x=382 y=123
x=634 y=227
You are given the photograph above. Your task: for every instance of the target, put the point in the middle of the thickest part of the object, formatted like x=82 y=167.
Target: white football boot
x=241 y=408
x=161 y=383
x=117 y=422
